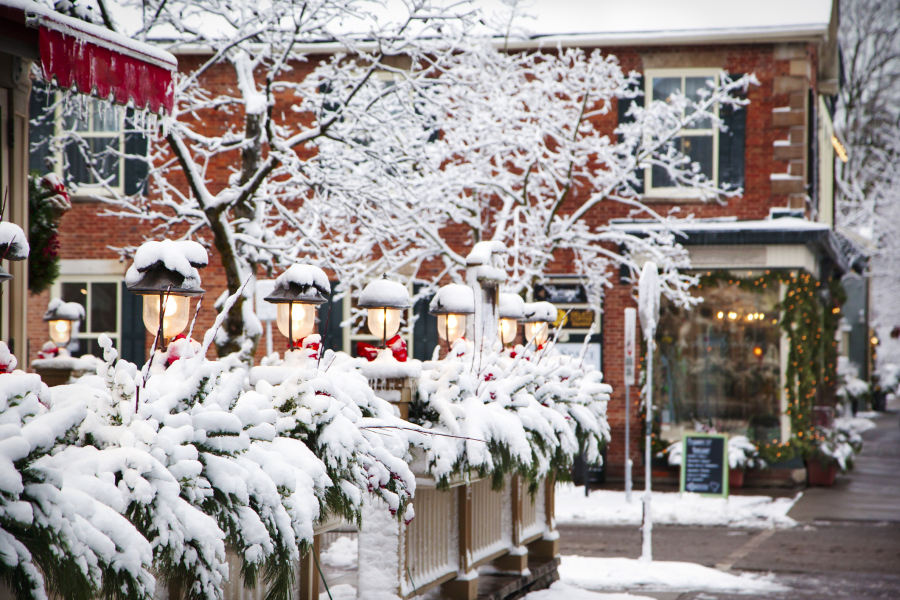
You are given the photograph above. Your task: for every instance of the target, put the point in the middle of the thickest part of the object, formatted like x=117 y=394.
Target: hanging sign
x=630 y=356
x=704 y=464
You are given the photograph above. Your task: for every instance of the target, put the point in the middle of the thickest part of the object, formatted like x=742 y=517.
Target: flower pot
x=735 y=478
x=818 y=475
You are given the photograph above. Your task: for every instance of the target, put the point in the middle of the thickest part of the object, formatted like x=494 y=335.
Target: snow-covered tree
x=868 y=118
x=361 y=160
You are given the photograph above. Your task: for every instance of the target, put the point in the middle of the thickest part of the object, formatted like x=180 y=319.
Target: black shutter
x=41 y=128
x=330 y=325
x=425 y=337
x=731 y=144
x=135 y=168
x=624 y=105
x=133 y=337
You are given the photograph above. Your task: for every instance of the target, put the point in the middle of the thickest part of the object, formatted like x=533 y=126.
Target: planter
x=817 y=475
x=735 y=478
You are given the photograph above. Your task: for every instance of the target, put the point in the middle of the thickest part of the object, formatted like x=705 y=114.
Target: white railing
x=432 y=540
x=489 y=536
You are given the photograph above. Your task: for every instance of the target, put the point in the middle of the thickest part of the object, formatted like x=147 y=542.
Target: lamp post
x=165 y=274
x=62 y=318
x=298 y=291
x=452 y=305
x=538 y=316
x=384 y=299
x=512 y=310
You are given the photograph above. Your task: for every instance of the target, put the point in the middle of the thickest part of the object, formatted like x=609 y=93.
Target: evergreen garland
x=43 y=262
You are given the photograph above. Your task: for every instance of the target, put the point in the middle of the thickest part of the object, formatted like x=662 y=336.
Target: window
x=101 y=297
x=719 y=363
x=700 y=142
x=102 y=138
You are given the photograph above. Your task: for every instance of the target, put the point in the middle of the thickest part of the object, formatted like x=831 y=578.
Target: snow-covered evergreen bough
x=96 y=498
x=534 y=409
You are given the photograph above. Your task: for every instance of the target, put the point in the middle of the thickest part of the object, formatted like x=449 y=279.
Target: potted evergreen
x=829 y=449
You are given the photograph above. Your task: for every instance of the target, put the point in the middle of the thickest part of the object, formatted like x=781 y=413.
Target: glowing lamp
x=384 y=300
x=452 y=304
x=62 y=317
x=298 y=291
x=165 y=274
x=512 y=310
x=538 y=316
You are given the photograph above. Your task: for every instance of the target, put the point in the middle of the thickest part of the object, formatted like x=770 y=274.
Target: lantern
x=512 y=310
x=384 y=300
x=165 y=274
x=298 y=291
x=62 y=318
x=452 y=304
x=538 y=316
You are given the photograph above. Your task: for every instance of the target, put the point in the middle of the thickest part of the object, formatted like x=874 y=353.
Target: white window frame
x=91 y=189
x=649 y=76
x=115 y=336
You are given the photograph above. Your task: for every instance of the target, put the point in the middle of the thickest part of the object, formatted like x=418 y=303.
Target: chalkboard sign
x=704 y=464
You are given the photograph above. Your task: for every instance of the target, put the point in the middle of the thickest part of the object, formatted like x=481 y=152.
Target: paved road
x=847 y=544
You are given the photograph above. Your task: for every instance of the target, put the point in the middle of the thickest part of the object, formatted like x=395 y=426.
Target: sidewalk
x=869 y=492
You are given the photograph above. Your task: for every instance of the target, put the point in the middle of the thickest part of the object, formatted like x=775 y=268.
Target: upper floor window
x=99 y=143
x=700 y=141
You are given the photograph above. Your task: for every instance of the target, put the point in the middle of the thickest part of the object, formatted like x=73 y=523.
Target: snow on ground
x=632 y=574
x=671 y=508
x=343 y=591
x=342 y=553
x=563 y=591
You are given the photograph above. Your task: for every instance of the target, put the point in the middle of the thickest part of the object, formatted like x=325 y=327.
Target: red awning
x=93 y=60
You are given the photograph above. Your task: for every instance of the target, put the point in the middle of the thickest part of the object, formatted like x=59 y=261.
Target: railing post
x=547 y=548
x=517 y=558
x=465 y=586
x=309 y=574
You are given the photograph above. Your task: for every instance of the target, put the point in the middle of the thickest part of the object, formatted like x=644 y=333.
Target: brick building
x=779 y=149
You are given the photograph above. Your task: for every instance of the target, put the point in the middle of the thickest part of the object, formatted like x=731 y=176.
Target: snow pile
x=742 y=454
x=342 y=553
x=522 y=411
x=671 y=508
x=13 y=243
x=384 y=292
x=454 y=298
x=183 y=257
x=563 y=591
x=70 y=311
x=543 y=312
x=305 y=276
x=511 y=306
x=625 y=573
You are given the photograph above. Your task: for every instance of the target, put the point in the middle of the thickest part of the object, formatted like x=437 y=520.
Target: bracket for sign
x=684 y=460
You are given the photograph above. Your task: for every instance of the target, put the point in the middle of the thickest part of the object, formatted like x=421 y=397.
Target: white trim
x=91 y=267
x=56 y=292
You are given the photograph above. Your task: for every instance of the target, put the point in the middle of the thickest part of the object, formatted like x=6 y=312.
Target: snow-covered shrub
x=58 y=534
x=839 y=443
x=522 y=411
x=850 y=387
x=115 y=481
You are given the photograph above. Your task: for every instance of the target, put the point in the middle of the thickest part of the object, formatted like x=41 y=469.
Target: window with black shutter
x=135 y=167
x=330 y=316
x=425 y=337
x=731 y=145
x=133 y=332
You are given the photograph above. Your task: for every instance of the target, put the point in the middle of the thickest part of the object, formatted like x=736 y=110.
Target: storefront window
x=718 y=363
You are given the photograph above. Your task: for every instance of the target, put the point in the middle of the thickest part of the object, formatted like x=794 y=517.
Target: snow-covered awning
x=79 y=56
x=729 y=231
